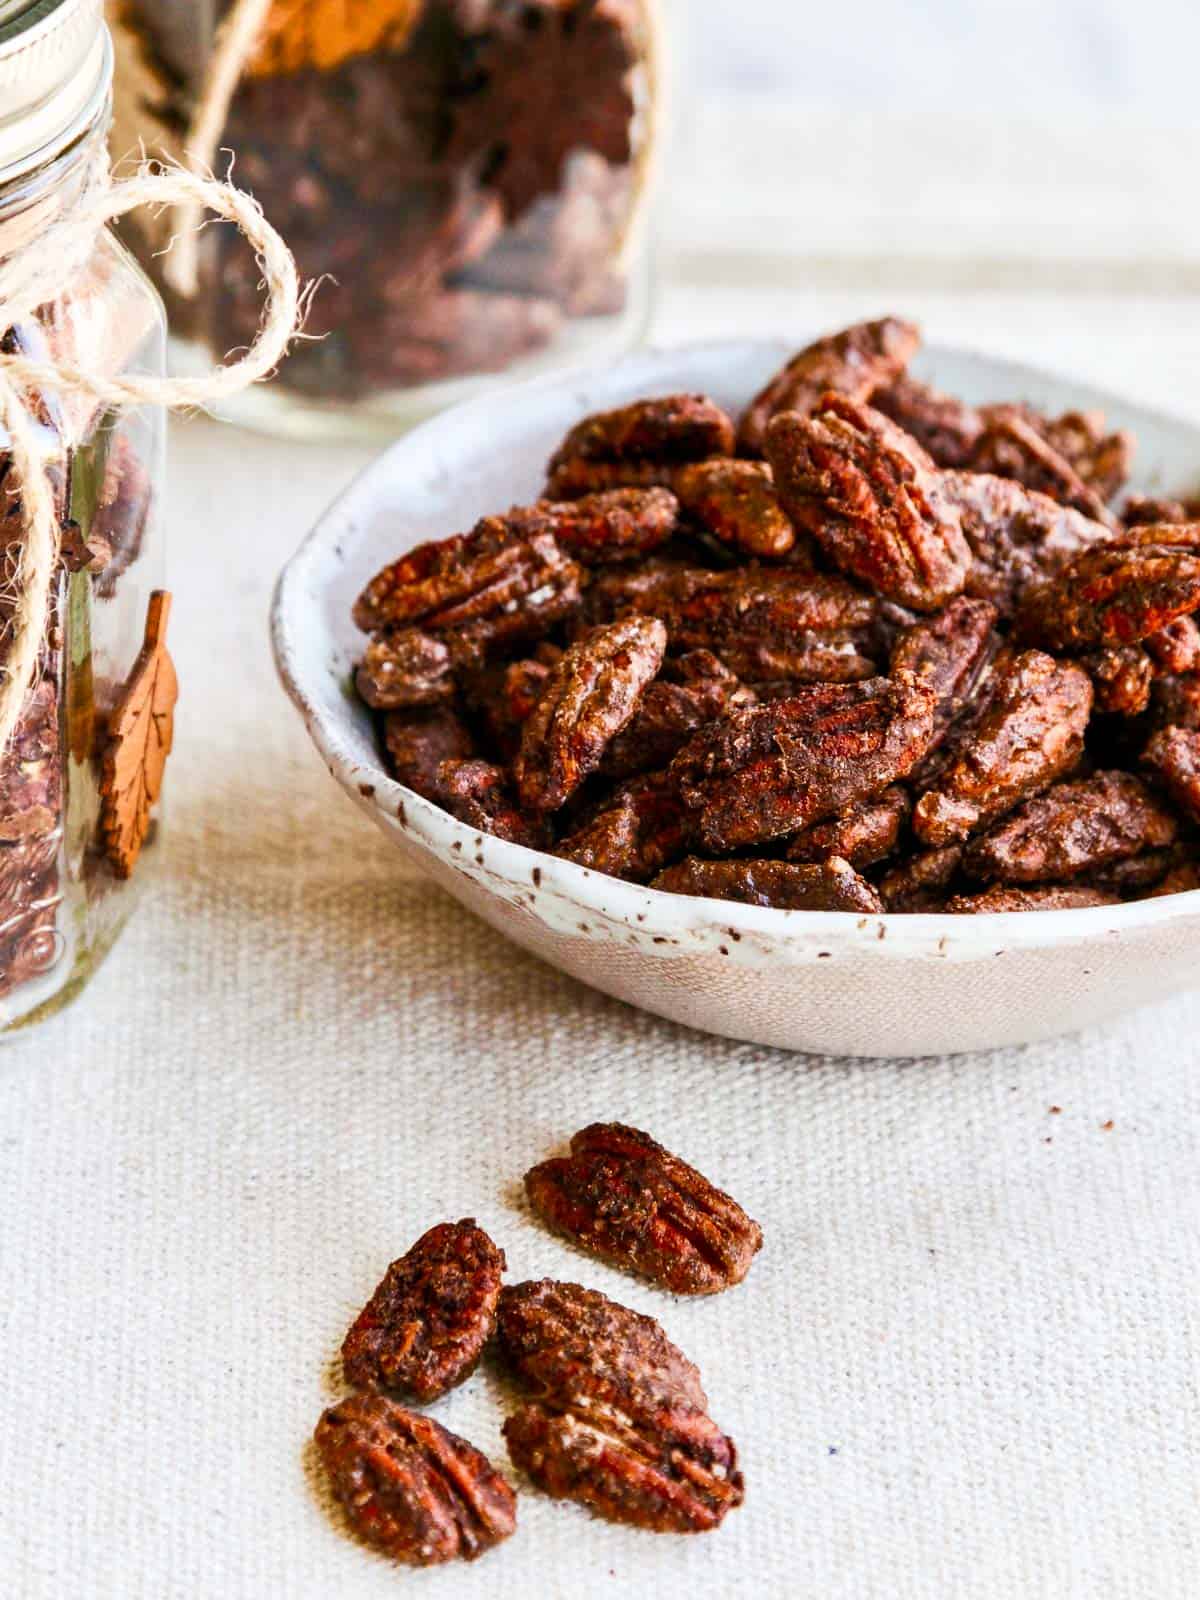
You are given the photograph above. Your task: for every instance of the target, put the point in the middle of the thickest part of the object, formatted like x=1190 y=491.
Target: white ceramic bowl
x=815 y=981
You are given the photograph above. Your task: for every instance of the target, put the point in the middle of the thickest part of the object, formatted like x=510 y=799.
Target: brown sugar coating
x=409 y=1486
x=842 y=677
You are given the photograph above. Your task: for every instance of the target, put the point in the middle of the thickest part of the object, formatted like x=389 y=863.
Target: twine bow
x=29 y=279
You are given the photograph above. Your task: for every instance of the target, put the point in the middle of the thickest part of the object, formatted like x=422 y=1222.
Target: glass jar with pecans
x=467 y=181
x=86 y=687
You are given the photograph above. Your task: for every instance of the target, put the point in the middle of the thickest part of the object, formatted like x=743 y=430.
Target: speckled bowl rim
x=572 y=900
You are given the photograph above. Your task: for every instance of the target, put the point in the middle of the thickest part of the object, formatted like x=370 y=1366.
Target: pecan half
x=599 y=529
x=1140 y=509
x=1100 y=460
x=622 y=1197
x=1173 y=759
x=1122 y=676
x=872 y=499
x=1012 y=447
x=404 y=669
x=1002 y=897
x=855 y=362
x=1071 y=829
x=411 y=1487
x=919 y=884
x=418 y=741
x=773 y=769
x=1182 y=879
x=635 y=833
x=1029 y=733
x=736 y=502
x=831 y=885
x=659 y=434
x=503 y=696
x=588 y=698
x=423 y=1330
x=1118 y=593
x=1017 y=537
x=490 y=582
x=768 y=623
x=865 y=834
x=617 y=1418
x=1175 y=648
x=948 y=428
x=478 y=793
x=1175 y=701
x=949 y=652
x=691 y=690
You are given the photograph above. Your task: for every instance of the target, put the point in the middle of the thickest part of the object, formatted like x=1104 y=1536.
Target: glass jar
x=467 y=179
x=67 y=878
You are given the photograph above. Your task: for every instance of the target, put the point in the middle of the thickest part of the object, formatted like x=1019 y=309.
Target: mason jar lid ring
x=56 y=67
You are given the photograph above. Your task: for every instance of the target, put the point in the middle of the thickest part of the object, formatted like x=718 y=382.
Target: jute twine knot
x=34 y=276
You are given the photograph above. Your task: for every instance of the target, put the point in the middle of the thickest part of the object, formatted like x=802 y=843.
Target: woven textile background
x=964 y=1364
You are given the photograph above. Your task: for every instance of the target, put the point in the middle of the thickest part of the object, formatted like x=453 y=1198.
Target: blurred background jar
x=468 y=179
x=74 y=818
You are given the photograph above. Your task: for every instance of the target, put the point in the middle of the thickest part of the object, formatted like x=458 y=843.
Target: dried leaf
x=324 y=33
x=140 y=737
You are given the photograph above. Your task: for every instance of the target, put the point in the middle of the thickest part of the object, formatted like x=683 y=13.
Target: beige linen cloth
x=965 y=1363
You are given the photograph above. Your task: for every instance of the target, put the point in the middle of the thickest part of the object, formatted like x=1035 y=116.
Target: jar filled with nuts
x=87 y=689
x=465 y=180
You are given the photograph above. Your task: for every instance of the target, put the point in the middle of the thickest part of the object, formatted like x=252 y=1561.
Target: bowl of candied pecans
x=844 y=701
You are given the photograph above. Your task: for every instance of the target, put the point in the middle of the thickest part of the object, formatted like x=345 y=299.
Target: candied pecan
x=1045 y=897
x=691 y=690
x=635 y=833
x=772 y=769
x=679 y=428
x=423 y=1330
x=736 y=501
x=1029 y=733
x=767 y=623
x=579 y=477
x=1173 y=759
x=617 y=1419
x=624 y=1198
x=919 y=883
x=619 y=525
x=1016 y=536
x=542 y=79
x=489 y=576
x=1137 y=875
x=419 y=740
x=406 y=668
x=863 y=835
x=1121 y=679
x=1140 y=509
x=410 y=1486
x=617 y=591
x=1117 y=593
x=830 y=885
x=949 y=652
x=1011 y=447
x=855 y=362
x=1071 y=829
x=945 y=426
x=588 y=698
x=1175 y=701
x=502 y=696
x=1175 y=648
x=872 y=499
x=478 y=793
x=1100 y=460
x=1182 y=879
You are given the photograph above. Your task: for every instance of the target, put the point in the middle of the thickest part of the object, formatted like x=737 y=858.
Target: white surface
x=1002 y=56
x=846 y=984
x=298 y=1057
